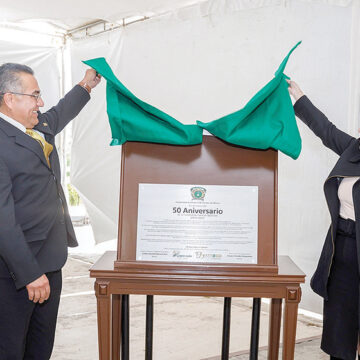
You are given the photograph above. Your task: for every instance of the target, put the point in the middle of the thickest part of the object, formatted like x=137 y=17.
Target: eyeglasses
x=35 y=96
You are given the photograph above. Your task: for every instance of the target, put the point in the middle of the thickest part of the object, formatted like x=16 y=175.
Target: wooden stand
x=285 y=285
x=213 y=162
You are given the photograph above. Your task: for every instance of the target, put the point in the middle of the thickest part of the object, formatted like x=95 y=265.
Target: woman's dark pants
x=341 y=310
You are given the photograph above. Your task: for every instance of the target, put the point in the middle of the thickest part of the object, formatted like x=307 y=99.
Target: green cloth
x=134 y=120
x=267 y=120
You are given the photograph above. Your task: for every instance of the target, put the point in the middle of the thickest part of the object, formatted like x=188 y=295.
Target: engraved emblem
x=198 y=193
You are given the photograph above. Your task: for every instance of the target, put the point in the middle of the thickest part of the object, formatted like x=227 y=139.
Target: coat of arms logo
x=198 y=193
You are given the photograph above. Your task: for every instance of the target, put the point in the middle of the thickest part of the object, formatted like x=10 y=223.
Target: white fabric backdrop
x=201 y=63
x=43 y=60
x=95 y=166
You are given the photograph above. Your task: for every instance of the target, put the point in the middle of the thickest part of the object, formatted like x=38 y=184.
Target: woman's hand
x=295 y=90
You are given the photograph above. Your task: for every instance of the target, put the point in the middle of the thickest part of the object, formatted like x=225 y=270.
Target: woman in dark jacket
x=336 y=278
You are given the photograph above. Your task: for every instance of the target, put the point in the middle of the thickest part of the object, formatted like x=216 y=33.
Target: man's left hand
x=91 y=78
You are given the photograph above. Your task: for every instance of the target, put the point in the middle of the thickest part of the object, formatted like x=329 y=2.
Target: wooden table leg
x=292 y=300
x=149 y=327
x=274 y=329
x=226 y=329
x=125 y=327
x=255 y=329
x=116 y=328
x=103 y=297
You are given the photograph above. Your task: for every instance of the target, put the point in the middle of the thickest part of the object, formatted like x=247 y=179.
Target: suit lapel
x=43 y=127
x=28 y=142
x=348 y=163
x=23 y=139
x=355 y=156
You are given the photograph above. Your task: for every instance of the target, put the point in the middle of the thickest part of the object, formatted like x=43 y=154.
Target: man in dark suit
x=35 y=227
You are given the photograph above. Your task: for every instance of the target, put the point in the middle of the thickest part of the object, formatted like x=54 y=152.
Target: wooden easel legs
x=104 y=319
x=113 y=310
x=116 y=329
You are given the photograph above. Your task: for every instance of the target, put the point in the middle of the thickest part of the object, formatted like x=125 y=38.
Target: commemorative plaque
x=187 y=209
x=192 y=223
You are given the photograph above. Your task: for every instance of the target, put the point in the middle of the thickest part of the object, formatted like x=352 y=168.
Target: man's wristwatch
x=85 y=86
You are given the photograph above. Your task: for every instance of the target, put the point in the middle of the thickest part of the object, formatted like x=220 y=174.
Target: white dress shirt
x=346 y=198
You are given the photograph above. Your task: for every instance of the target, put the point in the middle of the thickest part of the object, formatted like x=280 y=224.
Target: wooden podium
x=120 y=274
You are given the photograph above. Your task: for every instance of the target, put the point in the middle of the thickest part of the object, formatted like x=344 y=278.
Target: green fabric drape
x=267 y=120
x=134 y=120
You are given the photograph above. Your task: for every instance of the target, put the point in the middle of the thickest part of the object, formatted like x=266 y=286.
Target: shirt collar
x=13 y=122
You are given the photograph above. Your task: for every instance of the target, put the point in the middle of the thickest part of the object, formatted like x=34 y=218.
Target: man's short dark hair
x=9 y=78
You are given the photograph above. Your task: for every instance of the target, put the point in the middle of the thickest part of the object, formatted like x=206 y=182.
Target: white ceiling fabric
x=69 y=14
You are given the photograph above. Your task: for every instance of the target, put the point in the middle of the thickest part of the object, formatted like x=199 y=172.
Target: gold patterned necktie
x=46 y=147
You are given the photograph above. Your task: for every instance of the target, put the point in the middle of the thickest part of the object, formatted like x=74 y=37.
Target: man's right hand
x=39 y=289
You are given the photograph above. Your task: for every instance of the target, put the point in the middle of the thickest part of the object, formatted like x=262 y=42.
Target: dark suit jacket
x=347 y=147
x=31 y=197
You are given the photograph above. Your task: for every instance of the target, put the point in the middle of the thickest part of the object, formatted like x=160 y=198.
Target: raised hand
x=295 y=90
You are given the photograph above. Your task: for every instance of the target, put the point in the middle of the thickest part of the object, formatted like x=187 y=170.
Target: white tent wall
x=43 y=60
x=95 y=166
x=204 y=62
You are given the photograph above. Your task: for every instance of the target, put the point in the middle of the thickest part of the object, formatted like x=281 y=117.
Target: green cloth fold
x=131 y=119
x=267 y=120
